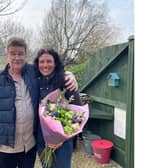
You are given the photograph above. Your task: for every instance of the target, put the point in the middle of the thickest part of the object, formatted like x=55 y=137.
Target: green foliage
x=1 y=65
x=77 y=70
x=47 y=156
x=3 y=61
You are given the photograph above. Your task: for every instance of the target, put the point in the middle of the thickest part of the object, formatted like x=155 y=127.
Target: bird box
x=113 y=79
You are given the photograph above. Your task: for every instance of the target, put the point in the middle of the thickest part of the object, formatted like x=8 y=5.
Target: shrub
x=2 y=62
x=77 y=70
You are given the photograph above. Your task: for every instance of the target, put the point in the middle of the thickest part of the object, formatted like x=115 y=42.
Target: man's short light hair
x=16 y=42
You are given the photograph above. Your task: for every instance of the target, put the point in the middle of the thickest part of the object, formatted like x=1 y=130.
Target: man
x=18 y=108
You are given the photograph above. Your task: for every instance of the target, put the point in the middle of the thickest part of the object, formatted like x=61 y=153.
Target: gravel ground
x=82 y=160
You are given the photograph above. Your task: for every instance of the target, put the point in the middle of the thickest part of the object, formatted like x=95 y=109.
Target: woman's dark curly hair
x=59 y=65
x=59 y=68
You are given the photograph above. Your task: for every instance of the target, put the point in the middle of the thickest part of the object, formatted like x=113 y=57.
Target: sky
x=122 y=12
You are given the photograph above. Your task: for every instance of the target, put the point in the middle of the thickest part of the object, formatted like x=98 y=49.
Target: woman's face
x=46 y=64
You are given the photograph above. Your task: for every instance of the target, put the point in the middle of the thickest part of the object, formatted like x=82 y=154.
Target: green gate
x=112 y=107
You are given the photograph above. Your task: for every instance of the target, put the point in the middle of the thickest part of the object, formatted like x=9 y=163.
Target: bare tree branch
x=76 y=29
x=13 y=28
x=9 y=7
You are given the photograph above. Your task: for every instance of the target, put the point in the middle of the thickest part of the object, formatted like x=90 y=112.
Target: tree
x=76 y=29
x=8 y=7
x=10 y=28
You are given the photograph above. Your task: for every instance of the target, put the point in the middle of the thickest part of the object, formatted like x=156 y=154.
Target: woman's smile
x=46 y=64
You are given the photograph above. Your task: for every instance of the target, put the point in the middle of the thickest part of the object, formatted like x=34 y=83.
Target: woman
x=51 y=77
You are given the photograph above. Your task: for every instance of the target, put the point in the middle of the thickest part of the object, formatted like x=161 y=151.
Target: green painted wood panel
x=99 y=86
x=129 y=157
x=105 y=98
x=100 y=62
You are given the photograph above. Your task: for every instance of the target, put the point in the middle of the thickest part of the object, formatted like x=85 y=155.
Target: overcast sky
x=122 y=12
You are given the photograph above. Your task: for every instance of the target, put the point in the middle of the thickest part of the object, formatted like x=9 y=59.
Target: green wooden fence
x=105 y=99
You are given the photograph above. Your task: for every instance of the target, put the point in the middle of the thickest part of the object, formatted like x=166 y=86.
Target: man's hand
x=71 y=83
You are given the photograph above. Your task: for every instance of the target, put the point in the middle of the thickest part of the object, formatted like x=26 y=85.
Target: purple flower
x=53 y=114
x=74 y=119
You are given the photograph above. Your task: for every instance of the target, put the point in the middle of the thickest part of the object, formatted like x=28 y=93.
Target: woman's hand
x=71 y=83
x=55 y=146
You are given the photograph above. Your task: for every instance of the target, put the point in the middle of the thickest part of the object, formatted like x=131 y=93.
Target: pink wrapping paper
x=52 y=130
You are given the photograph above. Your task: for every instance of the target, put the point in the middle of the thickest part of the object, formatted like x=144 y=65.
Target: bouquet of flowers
x=59 y=121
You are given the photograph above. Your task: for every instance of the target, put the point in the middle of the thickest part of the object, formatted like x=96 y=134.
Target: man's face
x=16 y=57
